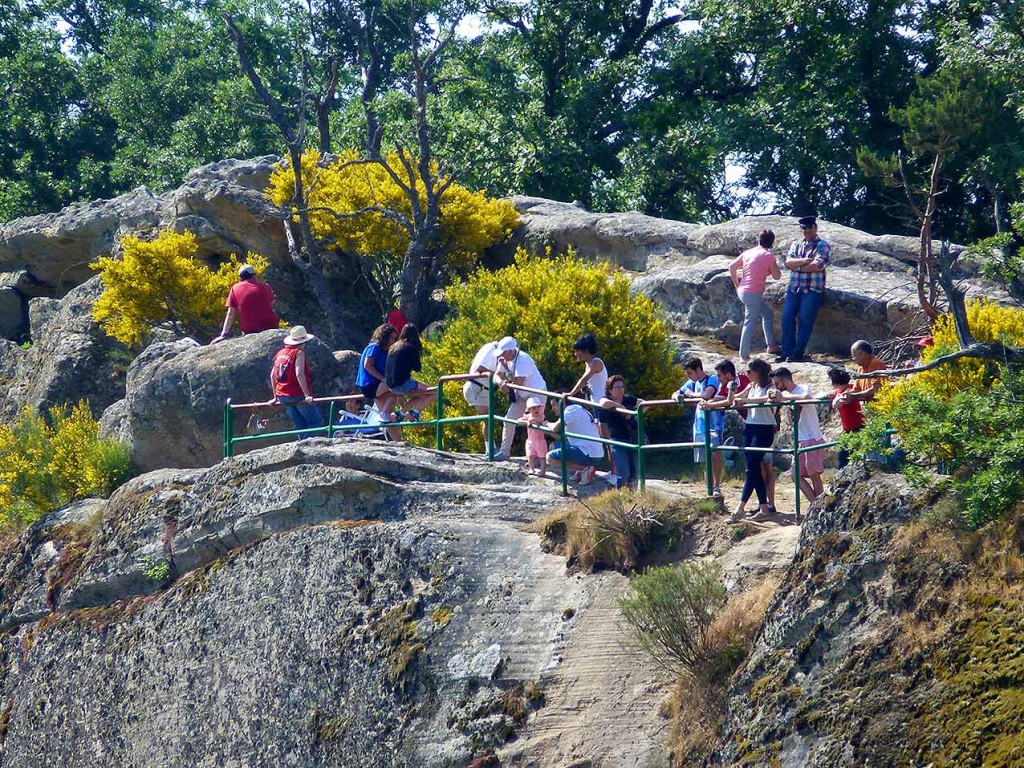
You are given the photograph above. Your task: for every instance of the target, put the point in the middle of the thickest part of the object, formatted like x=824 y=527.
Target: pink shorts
x=812 y=462
x=536 y=444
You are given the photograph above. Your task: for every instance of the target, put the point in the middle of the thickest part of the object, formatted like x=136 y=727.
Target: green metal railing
x=490 y=419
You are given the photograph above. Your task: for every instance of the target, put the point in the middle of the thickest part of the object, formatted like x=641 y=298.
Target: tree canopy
x=644 y=104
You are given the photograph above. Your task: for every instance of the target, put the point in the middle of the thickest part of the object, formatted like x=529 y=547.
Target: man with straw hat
x=290 y=379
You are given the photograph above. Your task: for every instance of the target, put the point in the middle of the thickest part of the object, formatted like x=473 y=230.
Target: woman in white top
x=595 y=375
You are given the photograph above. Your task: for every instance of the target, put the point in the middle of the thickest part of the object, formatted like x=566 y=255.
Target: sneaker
x=574 y=477
x=738 y=516
x=761 y=516
x=716 y=492
x=782 y=359
x=500 y=456
x=587 y=475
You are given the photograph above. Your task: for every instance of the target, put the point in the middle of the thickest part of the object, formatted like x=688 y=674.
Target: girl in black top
x=403 y=359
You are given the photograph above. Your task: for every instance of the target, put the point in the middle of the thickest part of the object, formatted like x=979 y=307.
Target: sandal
x=412 y=414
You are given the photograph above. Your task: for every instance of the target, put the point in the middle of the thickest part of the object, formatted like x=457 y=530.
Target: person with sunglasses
x=807 y=261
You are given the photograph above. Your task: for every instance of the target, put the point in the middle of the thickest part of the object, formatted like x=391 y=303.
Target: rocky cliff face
x=887 y=643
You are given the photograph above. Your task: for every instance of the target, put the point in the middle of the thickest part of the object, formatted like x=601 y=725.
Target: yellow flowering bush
x=48 y=462
x=546 y=304
x=989 y=322
x=470 y=221
x=162 y=281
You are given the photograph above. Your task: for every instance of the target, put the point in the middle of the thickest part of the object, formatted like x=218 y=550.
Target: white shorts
x=475 y=394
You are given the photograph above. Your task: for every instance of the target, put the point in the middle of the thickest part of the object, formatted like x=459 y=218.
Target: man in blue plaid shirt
x=806 y=261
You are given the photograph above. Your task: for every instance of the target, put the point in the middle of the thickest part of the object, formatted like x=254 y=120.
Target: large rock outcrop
x=173 y=411
x=222 y=203
x=70 y=359
x=327 y=603
x=885 y=644
x=684 y=267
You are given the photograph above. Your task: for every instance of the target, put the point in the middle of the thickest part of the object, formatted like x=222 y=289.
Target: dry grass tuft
x=618 y=529
x=697 y=703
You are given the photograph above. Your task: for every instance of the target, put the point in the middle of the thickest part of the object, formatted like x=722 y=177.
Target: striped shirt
x=803 y=282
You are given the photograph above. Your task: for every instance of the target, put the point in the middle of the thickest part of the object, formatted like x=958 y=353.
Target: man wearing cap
x=484 y=362
x=252 y=302
x=514 y=367
x=806 y=261
x=291 y=382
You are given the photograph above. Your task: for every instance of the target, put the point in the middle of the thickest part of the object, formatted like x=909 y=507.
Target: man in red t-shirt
x=252 y=302
x=396 y=318
x=850 y=413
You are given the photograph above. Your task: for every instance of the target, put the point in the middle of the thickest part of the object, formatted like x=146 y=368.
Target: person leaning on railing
x=515 y=367
x=485 y=361
x=620 y=427
x=758 y=432
x=699 y=387
x=811 y=462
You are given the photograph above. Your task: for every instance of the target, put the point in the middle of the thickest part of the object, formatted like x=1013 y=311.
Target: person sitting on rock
x=811 y=463
x=595 y=374
x=396 y=317
x=292 y=384
x=806 y=262
x=403 y=359
x=252 y=302
x=372 y=363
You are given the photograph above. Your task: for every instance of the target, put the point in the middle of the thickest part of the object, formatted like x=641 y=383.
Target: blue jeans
x=304 y=415
x=802 y=308
x=573 y=455
x=625 y=465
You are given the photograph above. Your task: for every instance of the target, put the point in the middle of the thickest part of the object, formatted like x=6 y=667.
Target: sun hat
x=507 y=344
x=298 y=335
x=247 y=270
x=534 y=401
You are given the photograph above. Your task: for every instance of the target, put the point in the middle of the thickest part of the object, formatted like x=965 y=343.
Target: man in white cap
x=252 y=302
x=514 y=367
x=290 y=379
x=484 y=362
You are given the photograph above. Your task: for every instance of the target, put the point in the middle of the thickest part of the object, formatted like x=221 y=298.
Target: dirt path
x=601 y=701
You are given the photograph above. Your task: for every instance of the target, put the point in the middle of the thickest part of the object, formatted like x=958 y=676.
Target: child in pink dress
x=536 y=441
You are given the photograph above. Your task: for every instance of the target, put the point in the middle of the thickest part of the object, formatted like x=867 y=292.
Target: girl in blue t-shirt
x=372 y=363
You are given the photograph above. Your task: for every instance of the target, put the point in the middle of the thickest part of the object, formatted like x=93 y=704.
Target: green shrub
x=546 y=303
x=46 y=463
x=976 y=436
x=670 y=613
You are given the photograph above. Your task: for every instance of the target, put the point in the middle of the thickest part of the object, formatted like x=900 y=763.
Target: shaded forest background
x=637 y=105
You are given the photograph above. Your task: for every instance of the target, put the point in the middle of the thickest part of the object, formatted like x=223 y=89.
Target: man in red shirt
x=252 y=302
x=850 y=413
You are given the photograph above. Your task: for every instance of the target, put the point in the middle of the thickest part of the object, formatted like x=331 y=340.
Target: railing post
x=641 y=470
x=229 y=428
x=439 y=427
x=489 y=447
x=796 y=457
x=564 y=445
x=709 y=478
x=330 y=419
